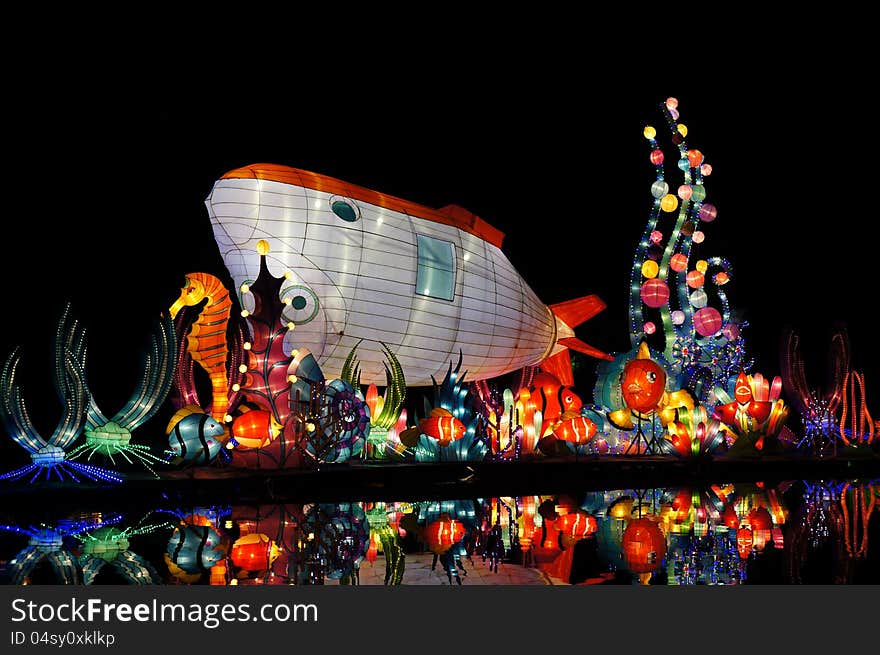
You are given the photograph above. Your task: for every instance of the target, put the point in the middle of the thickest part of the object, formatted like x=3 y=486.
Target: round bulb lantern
x=657 y=157
x=655 y=293
x=659 y=189
x=643 y=546
x=669 y=203
x=650 y=268
x=707 y=321
x=678 y=262
x=621 y=509
x=695 y=279
x=698 y=299
x=707 y=213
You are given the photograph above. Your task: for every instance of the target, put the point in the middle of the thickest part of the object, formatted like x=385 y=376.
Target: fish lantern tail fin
x=569 y=315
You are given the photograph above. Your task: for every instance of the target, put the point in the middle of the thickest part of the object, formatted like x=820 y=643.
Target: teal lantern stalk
x=50 y=456
x=112 y=437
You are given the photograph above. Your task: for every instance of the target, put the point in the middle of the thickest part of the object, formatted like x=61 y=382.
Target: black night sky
x=104 y=198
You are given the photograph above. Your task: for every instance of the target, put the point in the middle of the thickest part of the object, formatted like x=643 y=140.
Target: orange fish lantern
x=550 y=397
x=442 y=426
x=643 y=389
x=644 y=547
x=443 y=533
x=254 y=552
x=744 y=542
x=730 y=518
x=576 y=526
x=255 y=428
x=575 y=429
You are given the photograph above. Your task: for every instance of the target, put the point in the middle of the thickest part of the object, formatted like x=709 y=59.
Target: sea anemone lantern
x=644 y=547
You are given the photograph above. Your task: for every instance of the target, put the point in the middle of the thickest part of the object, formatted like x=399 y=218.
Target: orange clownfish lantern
x=549 y=396
x=575 y=429
x=443 y=533
x=442 y=426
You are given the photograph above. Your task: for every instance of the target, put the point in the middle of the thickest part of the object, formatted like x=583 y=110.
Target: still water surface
x=794 y=533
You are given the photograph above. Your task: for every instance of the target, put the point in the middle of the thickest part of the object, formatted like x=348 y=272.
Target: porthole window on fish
x=301 y=304
x=345 y=209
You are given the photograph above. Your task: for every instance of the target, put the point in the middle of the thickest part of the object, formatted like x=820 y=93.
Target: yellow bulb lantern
x=650 y=268
x=668 y=203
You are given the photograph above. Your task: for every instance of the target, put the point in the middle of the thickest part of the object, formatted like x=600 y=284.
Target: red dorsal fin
x=559 y=366
x=576 y=344
x=574 y=312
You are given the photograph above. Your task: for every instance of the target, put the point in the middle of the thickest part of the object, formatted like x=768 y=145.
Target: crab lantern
x=644 y=547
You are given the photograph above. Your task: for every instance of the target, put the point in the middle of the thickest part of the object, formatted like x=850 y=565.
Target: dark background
x=104 y=196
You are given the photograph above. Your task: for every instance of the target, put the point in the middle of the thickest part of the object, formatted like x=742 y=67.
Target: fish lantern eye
x=651 y=375
x=568 y=399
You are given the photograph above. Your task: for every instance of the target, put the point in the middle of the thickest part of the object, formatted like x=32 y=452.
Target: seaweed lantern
x=50 y=544
x=386 y=412
x=817 y=406
x=50 y=455
x=108 y=546
x=676 y=298
x=452 y=428
x=112 y=437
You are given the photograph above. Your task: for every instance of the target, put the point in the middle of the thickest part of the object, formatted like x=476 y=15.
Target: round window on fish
x=345 y=209
x=302 y=304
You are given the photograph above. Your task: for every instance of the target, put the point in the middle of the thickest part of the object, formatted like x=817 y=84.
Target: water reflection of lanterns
x=761 y=525
x=744 y=542
x=730 y=517
x=442 y=534
x=254 y=552
x=576 y=526
x=621 y=508
x=644 y=547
